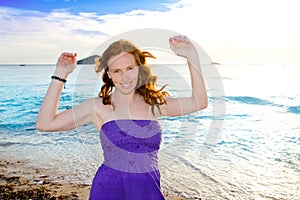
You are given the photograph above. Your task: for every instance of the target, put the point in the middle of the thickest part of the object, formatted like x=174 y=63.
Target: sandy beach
x=20 y=180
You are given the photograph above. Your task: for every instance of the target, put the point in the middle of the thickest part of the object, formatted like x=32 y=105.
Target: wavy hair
x=146 y=84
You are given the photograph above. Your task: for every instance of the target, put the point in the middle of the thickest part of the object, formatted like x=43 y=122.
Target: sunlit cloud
x=230 y=31
x=29 y=33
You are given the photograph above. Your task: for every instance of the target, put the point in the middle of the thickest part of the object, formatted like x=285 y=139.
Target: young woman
x=126 y=114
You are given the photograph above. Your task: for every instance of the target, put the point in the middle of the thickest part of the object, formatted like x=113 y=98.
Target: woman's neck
x=123 y=98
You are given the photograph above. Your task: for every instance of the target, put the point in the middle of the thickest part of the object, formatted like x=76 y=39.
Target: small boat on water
x=22 y=63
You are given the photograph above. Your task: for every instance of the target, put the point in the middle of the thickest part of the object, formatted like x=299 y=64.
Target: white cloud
x=26 y=34
x=230 y=31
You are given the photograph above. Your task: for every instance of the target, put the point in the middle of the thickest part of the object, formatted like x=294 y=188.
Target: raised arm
x=198 y=100
x=48 y=119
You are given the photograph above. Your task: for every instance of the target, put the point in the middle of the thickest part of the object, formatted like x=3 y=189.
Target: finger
x=172 y=43
x=66 y=56
x=180 y=38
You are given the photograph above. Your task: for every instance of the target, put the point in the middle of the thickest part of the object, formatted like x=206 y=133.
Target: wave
x=6 y=144
x=249 y=100
x=197 y=169
x=14 y=126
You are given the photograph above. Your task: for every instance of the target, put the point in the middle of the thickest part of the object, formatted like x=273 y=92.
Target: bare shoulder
x=93 y=104
x=160 y=110
x=172 y=107
x=100 y=109
x=97 y=102
x=89 y=102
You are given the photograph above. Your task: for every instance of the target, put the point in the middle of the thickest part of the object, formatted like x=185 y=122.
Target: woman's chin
x=126 y=88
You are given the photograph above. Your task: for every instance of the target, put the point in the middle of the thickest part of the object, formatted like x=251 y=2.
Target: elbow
x=203 y=104
x=200 y=101
x=42 y=127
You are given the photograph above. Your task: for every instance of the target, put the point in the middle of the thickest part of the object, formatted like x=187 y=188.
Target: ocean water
x=245 y=145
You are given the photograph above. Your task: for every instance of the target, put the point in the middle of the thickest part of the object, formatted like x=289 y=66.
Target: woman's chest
x=124 y=111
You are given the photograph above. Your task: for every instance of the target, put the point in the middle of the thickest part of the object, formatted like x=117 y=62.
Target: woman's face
x=123 y=71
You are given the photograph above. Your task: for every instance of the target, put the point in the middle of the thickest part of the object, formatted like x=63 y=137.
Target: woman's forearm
x=66 y=63
x=50 y=104
x=199 y=93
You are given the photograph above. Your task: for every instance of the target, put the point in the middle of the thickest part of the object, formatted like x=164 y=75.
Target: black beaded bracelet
x=59 y=79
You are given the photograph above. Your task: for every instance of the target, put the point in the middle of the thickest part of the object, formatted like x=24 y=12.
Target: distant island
x=88 y=60
x=91 y=61
x=215 y=63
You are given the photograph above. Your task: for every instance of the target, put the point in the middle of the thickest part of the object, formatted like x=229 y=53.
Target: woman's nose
x=125 y=76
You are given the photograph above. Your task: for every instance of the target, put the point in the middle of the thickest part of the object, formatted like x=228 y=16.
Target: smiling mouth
x=126 y=85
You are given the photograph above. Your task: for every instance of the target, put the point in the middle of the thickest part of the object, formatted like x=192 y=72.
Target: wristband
x=59 y=79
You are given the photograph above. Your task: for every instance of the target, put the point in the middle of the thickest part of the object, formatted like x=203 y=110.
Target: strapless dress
x=130 y=168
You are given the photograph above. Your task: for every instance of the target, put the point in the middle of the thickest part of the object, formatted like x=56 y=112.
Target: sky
x=231 y=31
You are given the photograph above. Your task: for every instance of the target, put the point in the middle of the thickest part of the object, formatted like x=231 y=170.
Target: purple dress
x=130 y=168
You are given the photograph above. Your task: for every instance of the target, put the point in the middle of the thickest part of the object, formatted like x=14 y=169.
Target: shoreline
x=21 y=180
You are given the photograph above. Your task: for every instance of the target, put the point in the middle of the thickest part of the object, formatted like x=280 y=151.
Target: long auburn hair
x=146 y=84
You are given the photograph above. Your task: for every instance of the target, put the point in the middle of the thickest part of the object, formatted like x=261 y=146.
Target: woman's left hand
x=182 y=46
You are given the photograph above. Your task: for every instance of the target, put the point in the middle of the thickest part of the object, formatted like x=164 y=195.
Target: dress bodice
x=131 y=145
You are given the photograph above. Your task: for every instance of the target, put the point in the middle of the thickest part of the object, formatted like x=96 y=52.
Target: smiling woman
x=126 y=69
x=126 y=114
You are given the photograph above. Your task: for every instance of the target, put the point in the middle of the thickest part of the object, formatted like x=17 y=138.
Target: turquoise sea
x=245 y=145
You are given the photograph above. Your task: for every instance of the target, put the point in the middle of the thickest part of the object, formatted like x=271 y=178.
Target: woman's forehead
x=123 y=59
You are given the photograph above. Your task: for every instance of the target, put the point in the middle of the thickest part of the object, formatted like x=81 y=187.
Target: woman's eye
x=132 y=67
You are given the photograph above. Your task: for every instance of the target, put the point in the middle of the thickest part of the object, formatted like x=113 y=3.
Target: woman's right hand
x=65 y=65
